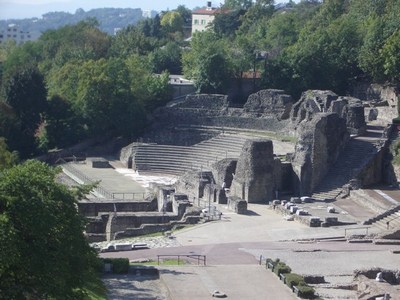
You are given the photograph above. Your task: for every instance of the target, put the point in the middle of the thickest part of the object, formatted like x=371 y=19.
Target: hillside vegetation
x=77 y=81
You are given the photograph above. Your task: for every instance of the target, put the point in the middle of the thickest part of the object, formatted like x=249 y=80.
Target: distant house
x=12 y=32
x=201 y=18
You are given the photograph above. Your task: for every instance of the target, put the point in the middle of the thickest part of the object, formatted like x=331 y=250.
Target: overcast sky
x=19 y=9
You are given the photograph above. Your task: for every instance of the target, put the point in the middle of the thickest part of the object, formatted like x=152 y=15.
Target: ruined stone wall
x=124 y=222
x=223 y=171
x=320 y=142
x=267 y=102
x=213 y=110
x=381 y=97
x=254 y=179
x=92 y=209
x=313 y=102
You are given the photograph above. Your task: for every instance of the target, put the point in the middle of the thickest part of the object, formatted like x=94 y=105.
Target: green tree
x=238 y=4
x=149 y=89
x=132 y=40
x=167 y=58
x=226 y=23
x=43 y=252
x=390 y=53
x=25 y=93
x=63 y=126
x=172 y=21
x=207 y=63
x=7 y=158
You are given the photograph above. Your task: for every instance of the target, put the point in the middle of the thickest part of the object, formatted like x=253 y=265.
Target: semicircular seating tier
x=175 y=160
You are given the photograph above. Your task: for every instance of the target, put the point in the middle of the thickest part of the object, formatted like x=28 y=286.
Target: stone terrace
x=175 y=160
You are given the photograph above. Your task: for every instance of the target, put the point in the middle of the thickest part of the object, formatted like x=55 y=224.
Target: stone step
x=354 y=156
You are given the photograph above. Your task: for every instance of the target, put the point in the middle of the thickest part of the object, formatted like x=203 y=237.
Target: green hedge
x=306 y=292
x=281 y=268
x=293 y=279
x=119 y=265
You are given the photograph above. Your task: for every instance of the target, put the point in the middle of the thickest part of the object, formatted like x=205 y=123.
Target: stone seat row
x=182 y=156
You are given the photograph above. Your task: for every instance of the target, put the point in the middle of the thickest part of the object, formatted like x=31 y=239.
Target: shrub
x=293 y=279
x=305 y=291
x=281 y=268
x=119 y=265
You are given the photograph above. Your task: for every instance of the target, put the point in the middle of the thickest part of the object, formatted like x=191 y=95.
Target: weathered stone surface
x=383 y=97
x=372 y=114
x=237 y=205
x=193 y=184
x=271 y=101
x=126 y=155
x=310 y=103
x=320 y=142
x=202 y=101
x=223 y=171
x=352 y=110
x=254 y=177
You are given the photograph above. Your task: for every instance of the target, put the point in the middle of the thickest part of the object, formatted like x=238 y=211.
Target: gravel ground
x=129 y=286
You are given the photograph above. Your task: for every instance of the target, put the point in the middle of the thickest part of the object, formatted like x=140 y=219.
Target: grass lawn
x=163 y=262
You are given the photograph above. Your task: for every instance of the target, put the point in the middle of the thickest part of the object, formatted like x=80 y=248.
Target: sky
x=19 y=9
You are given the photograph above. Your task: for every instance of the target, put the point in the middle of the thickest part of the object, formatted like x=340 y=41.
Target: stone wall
x=237 y=205
x=383 y=98
x=93 y=208
x=320 y=142
x=203 y=101
x=213 y=110
x=267 y=102
x=254 y=180
x=310 y=103
x=223 y=171
x=313 y=102
x=352 y=110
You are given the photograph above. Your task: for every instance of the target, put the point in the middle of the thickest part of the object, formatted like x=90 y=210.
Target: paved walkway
x=233 y=247
x=238 y=282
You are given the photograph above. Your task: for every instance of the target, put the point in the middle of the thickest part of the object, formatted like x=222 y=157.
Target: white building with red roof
x=202 y=17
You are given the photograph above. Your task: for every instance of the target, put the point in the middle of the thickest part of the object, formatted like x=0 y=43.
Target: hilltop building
x=12 y=32
x=201 y=18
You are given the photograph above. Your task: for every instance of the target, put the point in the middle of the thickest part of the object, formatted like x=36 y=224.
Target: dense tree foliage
x=25 y=96
x=7 y=158
x=77 y=82
x=43 y=252
x=307 y=45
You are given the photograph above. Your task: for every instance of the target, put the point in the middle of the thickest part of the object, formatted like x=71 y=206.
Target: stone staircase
x=358 y=152
x=175 y=160
x=390 y=219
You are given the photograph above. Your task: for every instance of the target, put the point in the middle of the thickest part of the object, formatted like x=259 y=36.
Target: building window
x=203 y=22
x=196 y=22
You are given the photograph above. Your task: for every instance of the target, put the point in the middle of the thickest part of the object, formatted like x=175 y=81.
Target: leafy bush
x=281 y=268
x=305 y=291
x=119 y=265
x=293 y=279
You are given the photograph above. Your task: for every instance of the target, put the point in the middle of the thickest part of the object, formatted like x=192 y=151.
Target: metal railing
x=199 y=258
x=356 y=228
